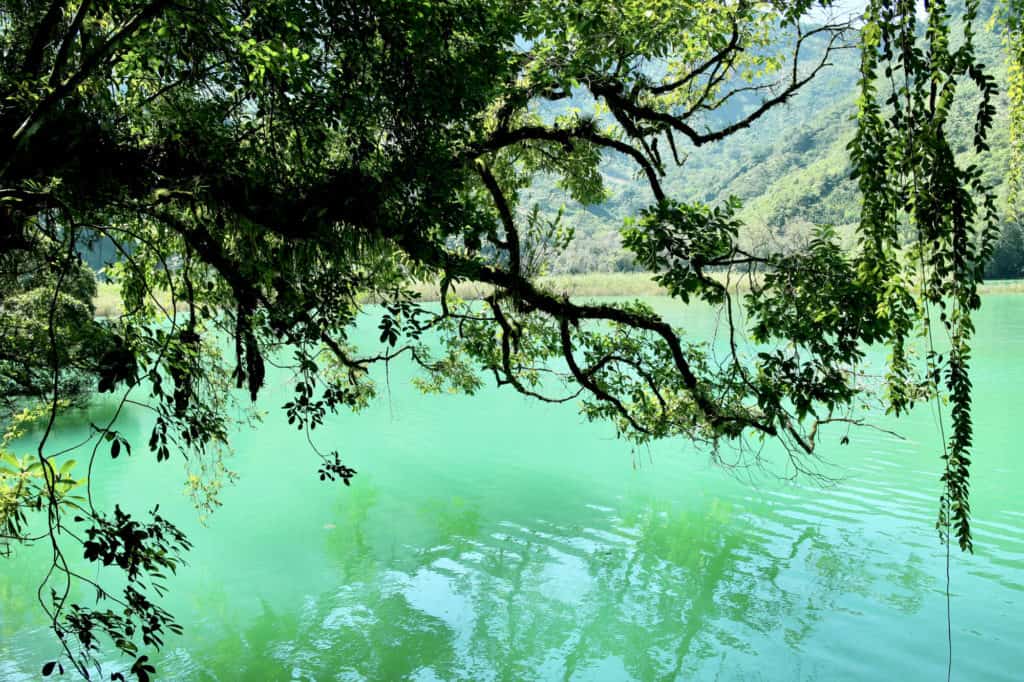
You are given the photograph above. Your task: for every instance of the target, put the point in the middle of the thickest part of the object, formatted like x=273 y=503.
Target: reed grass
x=107 y=301
x=1003 y=286
x=584 y=285
x=587 y=285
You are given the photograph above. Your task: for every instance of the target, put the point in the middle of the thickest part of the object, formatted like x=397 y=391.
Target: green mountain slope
x=790 y=169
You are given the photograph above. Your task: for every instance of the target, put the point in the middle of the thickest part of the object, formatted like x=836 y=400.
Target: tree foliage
x=29 y=290
x=273 y=165
x=1009 y=18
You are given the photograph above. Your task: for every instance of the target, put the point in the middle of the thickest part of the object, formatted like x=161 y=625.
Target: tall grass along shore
x=587 y=285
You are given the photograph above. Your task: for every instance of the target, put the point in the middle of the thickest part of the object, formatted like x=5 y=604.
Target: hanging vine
x=928 y=222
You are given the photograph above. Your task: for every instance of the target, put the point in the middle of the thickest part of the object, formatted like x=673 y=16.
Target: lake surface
x=495 y=538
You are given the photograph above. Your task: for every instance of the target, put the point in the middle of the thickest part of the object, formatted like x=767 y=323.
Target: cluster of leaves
x=681 y=241
x=813 y=299
x=144 y=552
x=27 y=484
x=333 y=469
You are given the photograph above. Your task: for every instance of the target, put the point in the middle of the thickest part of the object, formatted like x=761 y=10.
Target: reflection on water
x=659 y=594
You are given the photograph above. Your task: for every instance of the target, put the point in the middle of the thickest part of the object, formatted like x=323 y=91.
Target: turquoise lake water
x=495 y=538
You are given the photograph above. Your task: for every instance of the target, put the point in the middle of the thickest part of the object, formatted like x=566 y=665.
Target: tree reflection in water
x=660 y=593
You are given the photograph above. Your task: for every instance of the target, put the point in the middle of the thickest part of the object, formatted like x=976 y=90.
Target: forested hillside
x=790 y=169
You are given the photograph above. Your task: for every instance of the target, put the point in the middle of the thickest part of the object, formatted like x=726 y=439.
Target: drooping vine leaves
x=929 y=223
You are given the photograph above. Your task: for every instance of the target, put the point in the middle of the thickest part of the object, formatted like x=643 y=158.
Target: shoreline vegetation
x=584 y=285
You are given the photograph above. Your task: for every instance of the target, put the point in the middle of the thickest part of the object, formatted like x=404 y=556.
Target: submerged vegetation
x=262 y=170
